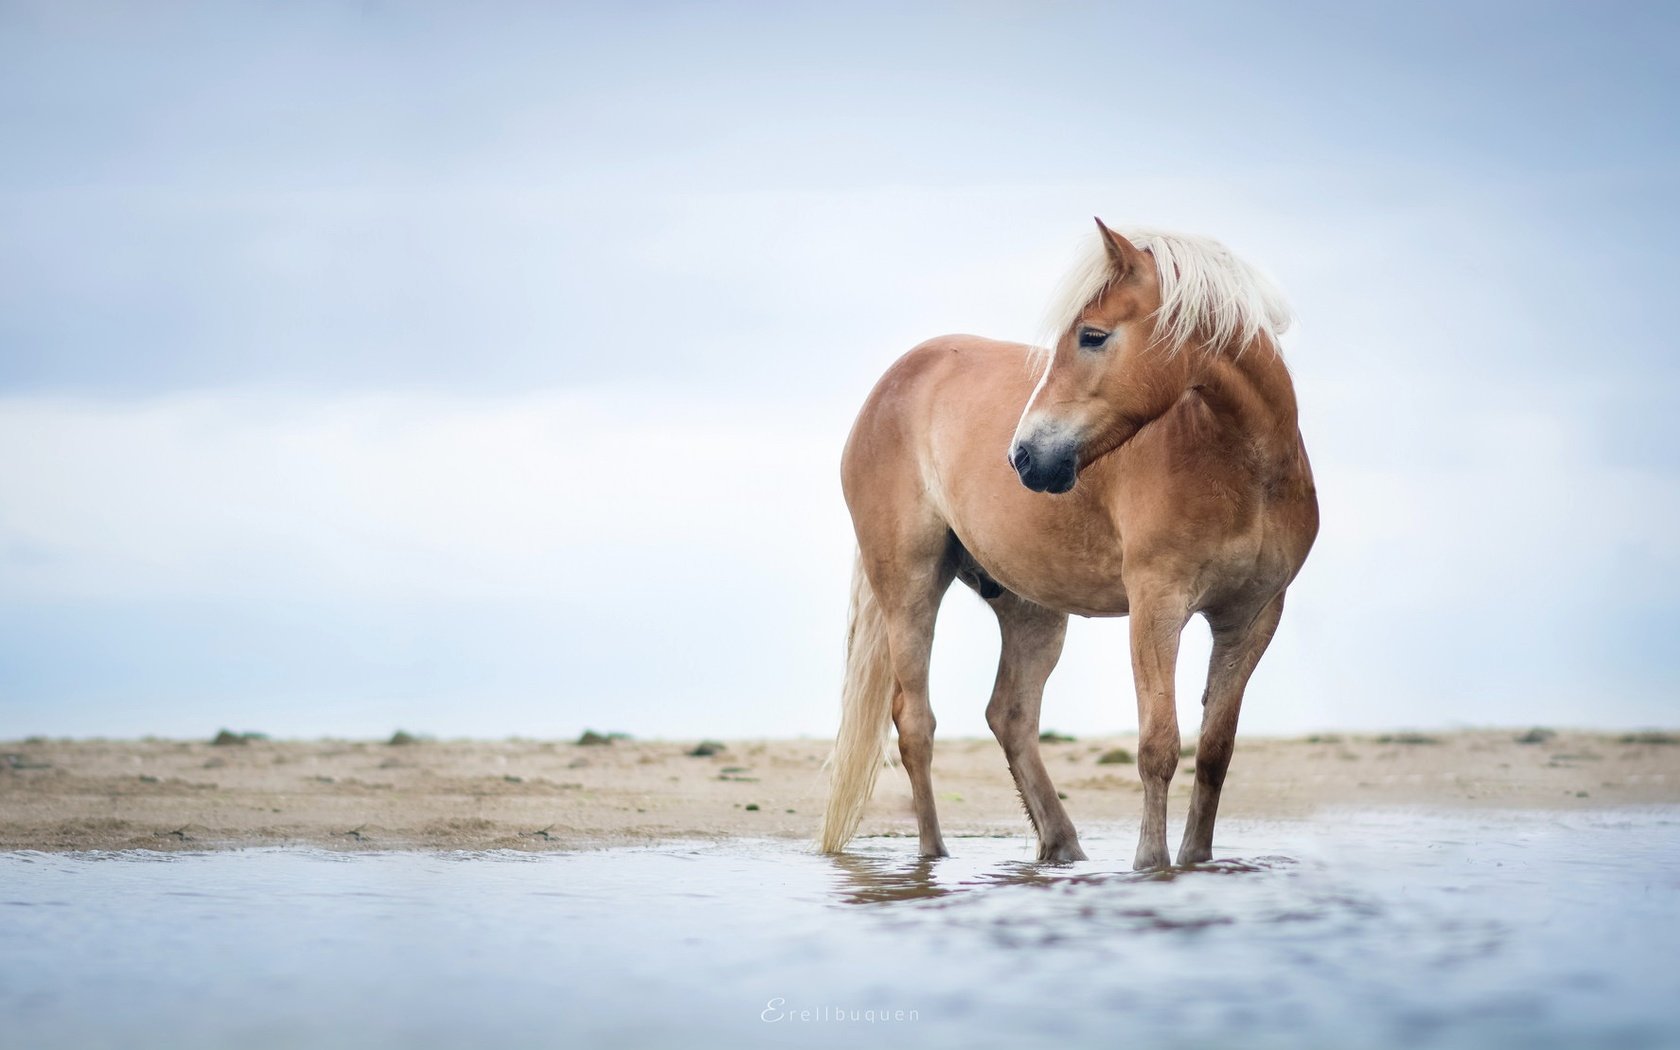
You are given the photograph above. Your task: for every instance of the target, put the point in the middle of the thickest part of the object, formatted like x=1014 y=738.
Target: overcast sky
x=483 y=370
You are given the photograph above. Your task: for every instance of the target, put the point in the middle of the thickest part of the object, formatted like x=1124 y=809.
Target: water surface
x=1361 y=930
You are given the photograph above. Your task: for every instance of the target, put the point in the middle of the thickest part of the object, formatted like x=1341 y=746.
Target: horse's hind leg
x=1032 y=643
x=1237 y=648
x=909 y=585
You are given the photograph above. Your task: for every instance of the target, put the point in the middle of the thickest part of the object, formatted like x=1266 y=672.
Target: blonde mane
x=1207 y=293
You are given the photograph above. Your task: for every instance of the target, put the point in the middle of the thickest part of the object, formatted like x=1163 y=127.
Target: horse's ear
x=1121 y=252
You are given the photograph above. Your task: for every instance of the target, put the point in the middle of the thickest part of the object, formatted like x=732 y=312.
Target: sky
x=483 y=370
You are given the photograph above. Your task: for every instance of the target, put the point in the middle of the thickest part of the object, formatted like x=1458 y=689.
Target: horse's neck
x=1251 y=392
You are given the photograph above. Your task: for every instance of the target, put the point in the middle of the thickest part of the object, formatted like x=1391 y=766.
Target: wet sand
x=544 y=795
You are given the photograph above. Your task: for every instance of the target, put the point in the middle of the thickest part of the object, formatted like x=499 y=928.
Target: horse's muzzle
x=1046 y=469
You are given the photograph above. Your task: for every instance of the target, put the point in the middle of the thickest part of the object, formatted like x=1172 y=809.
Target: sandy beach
x=544 y=795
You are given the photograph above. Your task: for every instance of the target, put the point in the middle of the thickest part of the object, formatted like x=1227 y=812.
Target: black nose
x=1052 y=470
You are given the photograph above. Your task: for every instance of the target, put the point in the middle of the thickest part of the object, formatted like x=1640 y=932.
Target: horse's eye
x=1091 y=338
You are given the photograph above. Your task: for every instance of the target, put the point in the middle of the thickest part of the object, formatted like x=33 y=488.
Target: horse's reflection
x=863 y=879
x=881 y=880
x=878 y=880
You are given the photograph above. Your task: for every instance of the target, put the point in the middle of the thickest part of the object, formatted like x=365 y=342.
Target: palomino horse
x=1156 y=471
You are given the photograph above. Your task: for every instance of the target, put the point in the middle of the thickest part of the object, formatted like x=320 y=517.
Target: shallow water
x=1362 y=930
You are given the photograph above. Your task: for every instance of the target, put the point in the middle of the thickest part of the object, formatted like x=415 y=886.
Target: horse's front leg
x=1158 y=618
x=1237 y=647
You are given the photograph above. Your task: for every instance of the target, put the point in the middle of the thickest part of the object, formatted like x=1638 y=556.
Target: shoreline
x=71 y=795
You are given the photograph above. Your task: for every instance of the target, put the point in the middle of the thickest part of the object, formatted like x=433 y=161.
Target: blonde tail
x=865 y=717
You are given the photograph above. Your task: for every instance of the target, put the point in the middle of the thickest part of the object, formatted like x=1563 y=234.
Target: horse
x=1148 y=464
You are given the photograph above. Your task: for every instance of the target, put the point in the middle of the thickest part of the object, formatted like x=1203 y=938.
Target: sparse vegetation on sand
x=1651 y=736
x=228 y=738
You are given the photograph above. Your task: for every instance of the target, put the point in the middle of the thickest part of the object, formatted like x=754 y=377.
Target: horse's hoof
x=1060 y=853
x=1151 y=861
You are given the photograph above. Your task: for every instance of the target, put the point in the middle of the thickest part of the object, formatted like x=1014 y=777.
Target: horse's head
x=1104 y=376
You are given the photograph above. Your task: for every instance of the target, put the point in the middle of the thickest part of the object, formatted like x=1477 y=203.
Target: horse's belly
x=1064 y=559
x=1079 y=597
